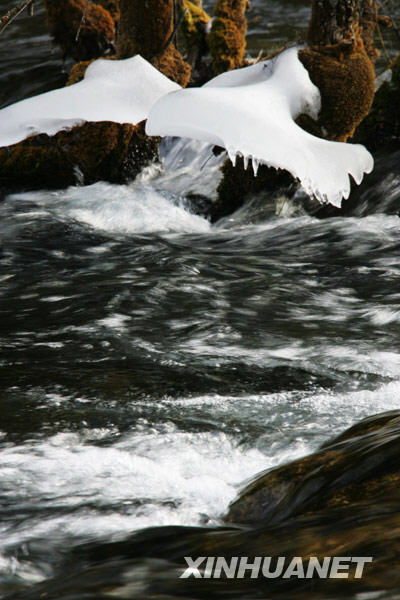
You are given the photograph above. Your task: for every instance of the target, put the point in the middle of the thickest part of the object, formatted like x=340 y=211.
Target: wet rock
x=341 y=501
x=239 y=183
x=97 y=33
x=360 y=466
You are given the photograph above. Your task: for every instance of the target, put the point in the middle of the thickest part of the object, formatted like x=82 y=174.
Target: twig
x=394 y=24
x=13 y=14
x=175 y=31
x=82 y=21
x=382 y=42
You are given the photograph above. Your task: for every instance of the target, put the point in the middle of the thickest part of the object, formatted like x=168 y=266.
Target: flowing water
x=152 y=362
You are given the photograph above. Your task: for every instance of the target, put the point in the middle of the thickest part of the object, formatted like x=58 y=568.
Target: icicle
x=255 y=163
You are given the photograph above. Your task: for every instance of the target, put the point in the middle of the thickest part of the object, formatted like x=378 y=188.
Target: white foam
x=126 y=209
x=150 y=478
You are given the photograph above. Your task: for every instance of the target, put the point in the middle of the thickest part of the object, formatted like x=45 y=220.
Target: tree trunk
x=145 y=28
x=227 y=38
x=340 y=62
x=333 y=21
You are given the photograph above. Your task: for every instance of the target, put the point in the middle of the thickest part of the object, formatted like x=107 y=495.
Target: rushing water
x=151 y=362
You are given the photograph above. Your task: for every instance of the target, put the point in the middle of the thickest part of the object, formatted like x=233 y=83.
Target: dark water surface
x=150 y=362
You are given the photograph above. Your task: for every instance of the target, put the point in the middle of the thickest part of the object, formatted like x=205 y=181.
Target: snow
x=113 y=90
x=251 y=112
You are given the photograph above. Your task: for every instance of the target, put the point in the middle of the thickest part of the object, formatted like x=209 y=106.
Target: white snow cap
x=251 y=113
x=122 y=91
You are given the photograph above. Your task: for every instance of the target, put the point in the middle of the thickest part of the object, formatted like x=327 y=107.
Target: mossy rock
x=112 y=6
x=88 y=153
x=145 y=28
x=97 y=33
x=227 y=38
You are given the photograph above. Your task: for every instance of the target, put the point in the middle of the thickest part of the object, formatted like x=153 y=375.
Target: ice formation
x=112 y=90
x=251 y=112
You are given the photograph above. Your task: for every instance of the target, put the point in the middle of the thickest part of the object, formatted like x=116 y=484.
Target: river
x=151 y=362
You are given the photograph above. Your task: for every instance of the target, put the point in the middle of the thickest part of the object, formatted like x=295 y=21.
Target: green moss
x=191 y=35
x=227 y=38
x=227 y=45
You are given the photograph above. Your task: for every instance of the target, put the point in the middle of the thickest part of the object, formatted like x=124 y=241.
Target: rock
x=239 y=183
x=341 y=501
x=360 y=466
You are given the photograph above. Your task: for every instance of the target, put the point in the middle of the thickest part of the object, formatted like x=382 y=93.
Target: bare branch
x=12 y=14
x=82 y=21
